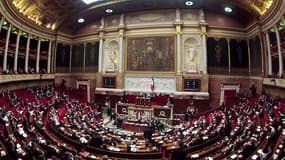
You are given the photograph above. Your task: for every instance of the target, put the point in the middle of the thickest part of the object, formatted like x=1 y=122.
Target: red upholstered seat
x=131 y=98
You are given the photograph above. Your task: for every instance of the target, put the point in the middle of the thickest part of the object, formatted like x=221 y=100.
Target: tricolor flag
x=152 y=84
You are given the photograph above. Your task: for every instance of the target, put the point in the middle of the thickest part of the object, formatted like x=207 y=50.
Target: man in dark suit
x=179 y=154
x=96 y=141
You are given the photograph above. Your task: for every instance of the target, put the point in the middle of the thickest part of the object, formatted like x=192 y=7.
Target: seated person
x=179 y=153
x=169 y=103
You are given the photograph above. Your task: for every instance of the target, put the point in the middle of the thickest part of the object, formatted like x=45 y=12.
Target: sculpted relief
x=111 y=55
x=112 y=21
x=149 y=17
x=190 y=15
x=191 y=55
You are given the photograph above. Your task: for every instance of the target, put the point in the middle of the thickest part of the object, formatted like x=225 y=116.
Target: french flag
x=152 y=84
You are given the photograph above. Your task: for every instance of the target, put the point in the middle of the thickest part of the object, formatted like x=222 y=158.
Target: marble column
x=27 y=54
x=100 y=55
x=229 y=57
x=279 y=52
x=84 y=57
x=49 y=56
x=70 y=58
x=121 y=43
x=1 y=23
x=249 y=57
x=178 y=38
x=269 y=58
x=204 y=45
x=6 y=48
x=38 y=57
x=101 y=41
x=17 y=51
x=121 y=53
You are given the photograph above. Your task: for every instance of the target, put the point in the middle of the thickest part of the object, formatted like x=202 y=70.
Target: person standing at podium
x=123 y=98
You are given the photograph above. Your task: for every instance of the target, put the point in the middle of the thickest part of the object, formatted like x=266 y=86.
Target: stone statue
x=191 y=64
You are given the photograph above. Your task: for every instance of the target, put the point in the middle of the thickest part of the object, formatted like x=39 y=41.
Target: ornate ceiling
x=63 y=14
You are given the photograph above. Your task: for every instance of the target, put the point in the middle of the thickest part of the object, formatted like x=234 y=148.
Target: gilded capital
x=178 y=30
x=121 y=33
x=204 y=33
x=101 y=35
x=178 y=33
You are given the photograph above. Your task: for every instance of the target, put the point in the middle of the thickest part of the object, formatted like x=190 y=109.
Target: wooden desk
x=144 y=113
x=145 y=101
x=140 y=113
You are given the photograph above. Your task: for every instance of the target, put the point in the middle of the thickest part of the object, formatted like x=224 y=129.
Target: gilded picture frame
x=150 y=54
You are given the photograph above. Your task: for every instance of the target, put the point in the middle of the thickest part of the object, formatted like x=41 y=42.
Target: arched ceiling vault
x=61 y=14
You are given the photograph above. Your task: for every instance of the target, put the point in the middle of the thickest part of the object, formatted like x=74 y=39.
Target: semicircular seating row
x=40 y=123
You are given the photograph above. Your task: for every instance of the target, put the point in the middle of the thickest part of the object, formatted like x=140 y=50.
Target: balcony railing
x=6 y=78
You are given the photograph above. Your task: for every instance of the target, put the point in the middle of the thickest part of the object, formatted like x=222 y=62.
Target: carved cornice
x=86 y=39
x=254 y=30
x=226 y=32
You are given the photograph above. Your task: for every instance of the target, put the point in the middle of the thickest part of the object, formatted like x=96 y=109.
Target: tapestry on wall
x=91 y=58
x=62 y=57
x=151 y=54
x=77 y=58
x=217 y=55
x=239 y=53
x=255 y=56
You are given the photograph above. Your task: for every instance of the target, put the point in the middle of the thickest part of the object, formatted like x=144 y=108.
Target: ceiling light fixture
x=109 y=11
x=189 y=3
x=81 y=20
x=228 y=9
x=90 y=1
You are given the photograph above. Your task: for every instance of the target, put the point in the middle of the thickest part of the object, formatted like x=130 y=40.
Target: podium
x=138 y=112
x=144 y=101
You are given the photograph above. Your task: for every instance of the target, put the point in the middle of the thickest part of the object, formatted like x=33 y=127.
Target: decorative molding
x=235 y=77
x=112 y=21
x=180 y=95
x=253 y=31
x=150 y=32
x=226 y=33
x=148 y=17
x=190 y=15
x=193 y=95
x=86 y=38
